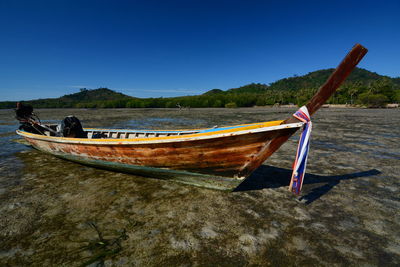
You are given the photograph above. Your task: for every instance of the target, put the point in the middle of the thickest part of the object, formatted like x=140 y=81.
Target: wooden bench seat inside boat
x=123 y=134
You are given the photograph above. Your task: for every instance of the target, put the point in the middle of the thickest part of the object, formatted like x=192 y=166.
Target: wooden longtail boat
x=218 y=158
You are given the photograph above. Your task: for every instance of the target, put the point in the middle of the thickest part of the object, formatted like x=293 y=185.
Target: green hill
x=361 y=87
x=214 y=92
x=311 y=80
x=317 y=78
x=94 y=95
x=253 y=88
x=101 y=97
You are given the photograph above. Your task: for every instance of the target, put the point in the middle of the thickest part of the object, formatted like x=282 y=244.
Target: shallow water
x=55 y=212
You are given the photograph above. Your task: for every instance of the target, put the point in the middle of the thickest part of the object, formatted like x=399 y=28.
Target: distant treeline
x=362 y=88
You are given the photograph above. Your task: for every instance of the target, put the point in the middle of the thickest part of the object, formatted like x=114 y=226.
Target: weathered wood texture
x=223 y=156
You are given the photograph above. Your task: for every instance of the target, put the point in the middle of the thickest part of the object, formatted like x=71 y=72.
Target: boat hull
x=218 y=162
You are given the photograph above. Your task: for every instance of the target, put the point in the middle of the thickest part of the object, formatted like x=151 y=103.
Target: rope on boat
x=300 y=163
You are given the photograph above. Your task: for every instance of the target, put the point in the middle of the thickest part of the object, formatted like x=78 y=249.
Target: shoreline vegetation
x=363 y=88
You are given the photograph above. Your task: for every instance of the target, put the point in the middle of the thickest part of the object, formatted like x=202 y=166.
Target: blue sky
x=171 y=48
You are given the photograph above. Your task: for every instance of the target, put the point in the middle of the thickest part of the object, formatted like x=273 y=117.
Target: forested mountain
x=250 y=88
x=310 y=80
x=316 y=78
x=94 y=95
x=83 y=98
x=362 y=87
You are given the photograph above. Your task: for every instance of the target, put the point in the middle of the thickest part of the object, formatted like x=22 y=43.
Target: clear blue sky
x=170 y=48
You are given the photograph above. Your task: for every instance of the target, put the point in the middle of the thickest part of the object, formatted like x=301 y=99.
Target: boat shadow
x=273 y=177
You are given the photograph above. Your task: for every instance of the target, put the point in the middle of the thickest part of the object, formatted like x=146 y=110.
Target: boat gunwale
x=165 y=139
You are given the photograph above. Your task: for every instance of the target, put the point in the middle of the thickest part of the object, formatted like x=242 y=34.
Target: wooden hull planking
x=213 y=161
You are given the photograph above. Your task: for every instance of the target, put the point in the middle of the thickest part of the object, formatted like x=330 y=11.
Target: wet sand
x=58 y=213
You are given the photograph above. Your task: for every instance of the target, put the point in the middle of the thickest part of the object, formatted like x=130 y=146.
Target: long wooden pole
x=336 y=79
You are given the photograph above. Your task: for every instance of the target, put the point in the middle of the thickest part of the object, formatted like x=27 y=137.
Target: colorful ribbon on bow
x=299 y=165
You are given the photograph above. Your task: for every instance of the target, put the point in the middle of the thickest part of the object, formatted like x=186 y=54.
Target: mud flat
x=58 y=213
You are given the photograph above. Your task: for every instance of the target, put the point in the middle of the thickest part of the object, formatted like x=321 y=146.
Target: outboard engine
x=23 y=112
x=72 y=127
x=28 y=120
